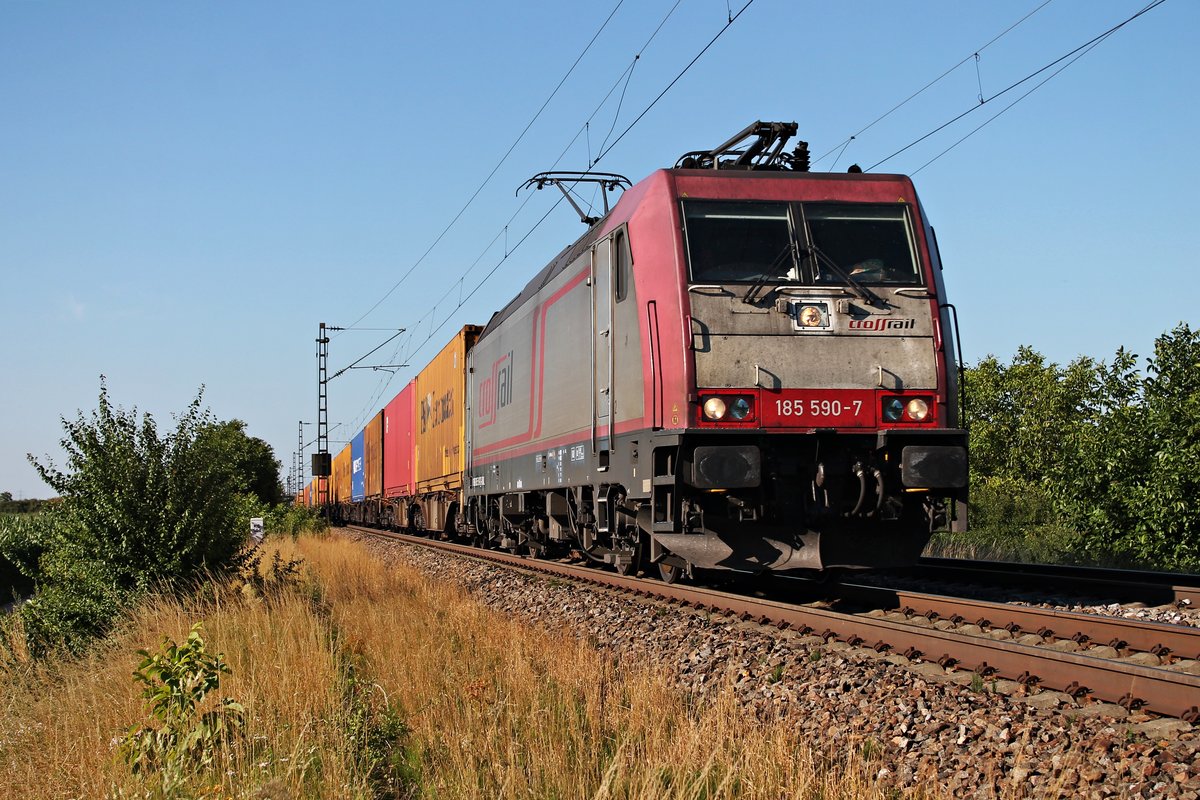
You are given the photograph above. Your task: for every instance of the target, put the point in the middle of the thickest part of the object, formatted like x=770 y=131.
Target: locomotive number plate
x=818 y=408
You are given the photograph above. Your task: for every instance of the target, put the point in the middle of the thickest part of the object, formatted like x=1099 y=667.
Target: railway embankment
x=916 y=725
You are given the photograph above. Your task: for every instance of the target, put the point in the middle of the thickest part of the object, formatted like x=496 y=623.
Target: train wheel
x=627 y=548
x=630 y=567
x=670 y=573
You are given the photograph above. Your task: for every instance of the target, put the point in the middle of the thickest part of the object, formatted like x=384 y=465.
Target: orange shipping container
x=339 y=482
x=373 y=455
x=438 y=434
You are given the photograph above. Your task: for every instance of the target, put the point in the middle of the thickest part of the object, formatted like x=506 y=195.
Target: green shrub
x=150 y=507
x=293 y=520
x=1090 y=462
x=181 y=739
x=21 y=547
x=139 y=510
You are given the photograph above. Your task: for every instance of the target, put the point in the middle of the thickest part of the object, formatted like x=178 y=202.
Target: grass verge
x=365 y=680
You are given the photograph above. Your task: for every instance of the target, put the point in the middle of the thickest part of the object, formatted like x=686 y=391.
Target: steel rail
x=1154 y=689
x=1159 y=638
x=1153 y=588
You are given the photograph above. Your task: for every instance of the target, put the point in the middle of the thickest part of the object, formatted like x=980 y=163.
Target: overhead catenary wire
x=675 y=80
x=652 y=103
x=499 y=164
x=384 y=383
x=1086 y=45
x=974 y=54
x=993 y=118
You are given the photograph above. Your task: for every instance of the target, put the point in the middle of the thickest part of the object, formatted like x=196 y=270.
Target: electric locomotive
x=742 y=365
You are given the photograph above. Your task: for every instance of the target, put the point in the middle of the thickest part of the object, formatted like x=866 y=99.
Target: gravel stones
x=972 y=737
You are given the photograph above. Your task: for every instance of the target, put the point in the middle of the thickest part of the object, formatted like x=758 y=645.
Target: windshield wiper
x=770 y=274
x=860 y=291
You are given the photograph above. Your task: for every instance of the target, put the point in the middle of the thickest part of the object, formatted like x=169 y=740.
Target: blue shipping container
x=358 y=475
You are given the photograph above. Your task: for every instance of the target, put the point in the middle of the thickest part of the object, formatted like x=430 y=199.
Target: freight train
x=743 y=365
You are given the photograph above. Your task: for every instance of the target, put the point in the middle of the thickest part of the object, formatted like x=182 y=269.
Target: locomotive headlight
x=917 y=410
x=740 y=408
x=893 y=409
x=714 y=408
x=812 y=317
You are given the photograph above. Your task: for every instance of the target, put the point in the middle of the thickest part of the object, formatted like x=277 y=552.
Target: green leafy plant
x=151 y=506
x=1089 y=462
x=280 y=575
x=181 y=738
x=140 y=510
x=386 y=754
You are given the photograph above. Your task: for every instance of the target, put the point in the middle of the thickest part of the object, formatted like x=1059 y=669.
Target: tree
x=252 y=458
x=139 y=510
x=1097 y=447
x=1022 y=416
x=1132 y=485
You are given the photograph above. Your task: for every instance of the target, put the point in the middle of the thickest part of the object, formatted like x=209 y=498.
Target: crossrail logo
x=877 y=324
x=496 y=391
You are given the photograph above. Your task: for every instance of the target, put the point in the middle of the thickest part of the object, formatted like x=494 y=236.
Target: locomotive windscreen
x=748 y=242
x=733 y=242
x=871 y=243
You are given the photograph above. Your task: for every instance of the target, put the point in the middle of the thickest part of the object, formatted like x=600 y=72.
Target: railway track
x=1120 y=585
x=1138 y=665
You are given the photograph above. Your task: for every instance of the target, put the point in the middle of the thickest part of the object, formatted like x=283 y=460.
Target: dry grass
x=62 y=721
x=499 y=710
x=490 y=709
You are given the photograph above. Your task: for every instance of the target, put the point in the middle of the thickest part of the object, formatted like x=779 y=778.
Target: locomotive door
x=602 y=350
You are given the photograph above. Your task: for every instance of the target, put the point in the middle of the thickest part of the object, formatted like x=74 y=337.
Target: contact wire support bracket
x=566 y=181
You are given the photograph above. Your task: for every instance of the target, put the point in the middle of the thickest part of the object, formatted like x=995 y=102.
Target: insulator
x=800 y=157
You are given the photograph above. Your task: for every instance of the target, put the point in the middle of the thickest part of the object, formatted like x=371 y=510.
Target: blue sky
x=187 y=190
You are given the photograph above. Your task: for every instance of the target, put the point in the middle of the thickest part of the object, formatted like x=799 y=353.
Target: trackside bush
x=139 y=510
x=293 y=520
x=1093 y=461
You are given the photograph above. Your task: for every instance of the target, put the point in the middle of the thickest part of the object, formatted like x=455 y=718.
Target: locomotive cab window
x=752 y=242
x=872 y=244
x=738 y=242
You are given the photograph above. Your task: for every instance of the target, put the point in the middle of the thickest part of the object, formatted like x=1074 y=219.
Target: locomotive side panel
x=656 y=261
x=548 y=424
x=629 y=359
x=530 y=382
x=564 y=374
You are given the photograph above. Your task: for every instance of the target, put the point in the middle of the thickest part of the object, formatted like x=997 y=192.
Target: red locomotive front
x=745 y=365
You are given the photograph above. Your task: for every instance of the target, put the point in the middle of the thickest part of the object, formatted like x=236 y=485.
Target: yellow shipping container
x=339 y=482
x=439 y=431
